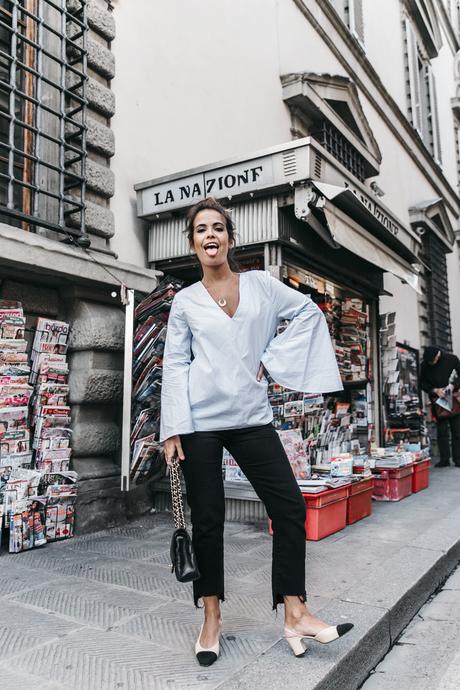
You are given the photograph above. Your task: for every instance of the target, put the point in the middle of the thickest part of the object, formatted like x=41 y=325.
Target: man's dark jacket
x=437 y=375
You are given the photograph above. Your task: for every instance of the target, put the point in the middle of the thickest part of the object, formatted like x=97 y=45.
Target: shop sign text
x=222 y=182
x=373 y=207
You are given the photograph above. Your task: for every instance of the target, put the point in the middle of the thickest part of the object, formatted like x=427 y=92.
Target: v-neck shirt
x=216 y=303
x=211 y=359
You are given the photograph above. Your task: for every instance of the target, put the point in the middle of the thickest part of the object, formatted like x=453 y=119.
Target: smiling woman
x=212 y=216
x=220 y=338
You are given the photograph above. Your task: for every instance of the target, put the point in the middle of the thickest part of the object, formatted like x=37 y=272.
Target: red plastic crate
x=359 y=504
x=394 y=484
x=421 y=476
x=326 y=513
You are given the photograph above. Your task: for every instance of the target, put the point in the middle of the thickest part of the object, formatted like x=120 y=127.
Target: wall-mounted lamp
x=378 y=191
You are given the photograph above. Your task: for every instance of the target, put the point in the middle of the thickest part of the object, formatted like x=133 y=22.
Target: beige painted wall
x=199 y=81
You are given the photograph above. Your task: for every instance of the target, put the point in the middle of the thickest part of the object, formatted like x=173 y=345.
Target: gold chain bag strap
x=183 y=561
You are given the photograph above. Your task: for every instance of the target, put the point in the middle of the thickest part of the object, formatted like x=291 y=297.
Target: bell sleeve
x=301 y=357
x=176 y=416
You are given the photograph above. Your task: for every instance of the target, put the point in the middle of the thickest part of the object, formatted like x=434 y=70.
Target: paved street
x=427 y=655
x=103 y=611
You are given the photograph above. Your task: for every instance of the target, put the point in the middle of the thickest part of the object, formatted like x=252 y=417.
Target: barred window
x=42 y=115
x=338 y=146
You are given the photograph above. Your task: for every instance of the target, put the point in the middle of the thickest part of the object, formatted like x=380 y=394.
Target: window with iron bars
x=42 y=115
x=339 y=147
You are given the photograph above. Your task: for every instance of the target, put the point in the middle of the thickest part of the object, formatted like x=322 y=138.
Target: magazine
x=10 y=309
x=53 y=461
x=15 y=396
x=51 y=332
x=60 y=514
x=10 y=345
x=52 y=394
x=54 y=438
x=12 y=418
x=27 y=524
x=51 y=417
x=53 y=373
x=12 y=357
x=23 y=459
x=12 y=327
x=15 y=369
x=14 y=442
x=49 y=466
x=14 y=379
x=295 y=450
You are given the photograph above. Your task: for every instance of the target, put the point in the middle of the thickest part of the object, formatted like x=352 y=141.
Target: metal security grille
x=334 y=142
x=42 y=115
x=437 y=289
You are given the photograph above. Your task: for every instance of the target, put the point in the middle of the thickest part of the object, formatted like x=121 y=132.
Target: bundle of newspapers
x=149 y=339
x=37 y=490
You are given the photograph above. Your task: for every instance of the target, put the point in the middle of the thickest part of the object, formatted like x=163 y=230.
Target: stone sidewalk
x=103 y=611
x=427 y=655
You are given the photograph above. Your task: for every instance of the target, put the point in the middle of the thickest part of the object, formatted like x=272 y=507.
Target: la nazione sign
x=221 y=182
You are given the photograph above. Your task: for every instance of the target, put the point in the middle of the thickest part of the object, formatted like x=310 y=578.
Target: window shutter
x=434 y=117
x=340 y=7
x=414 y=78
x=356 y=19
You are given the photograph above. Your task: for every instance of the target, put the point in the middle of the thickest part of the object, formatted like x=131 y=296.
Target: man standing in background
x=436 y=370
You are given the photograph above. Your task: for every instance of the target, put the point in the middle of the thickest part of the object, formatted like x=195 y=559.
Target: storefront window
x=315 y=428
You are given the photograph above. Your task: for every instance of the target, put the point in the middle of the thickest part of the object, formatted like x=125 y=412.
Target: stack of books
x=149 y=339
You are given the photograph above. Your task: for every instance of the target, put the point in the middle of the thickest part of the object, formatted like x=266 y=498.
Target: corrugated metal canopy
x=256 y=221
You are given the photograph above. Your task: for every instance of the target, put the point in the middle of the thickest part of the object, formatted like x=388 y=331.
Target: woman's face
x=210 y=238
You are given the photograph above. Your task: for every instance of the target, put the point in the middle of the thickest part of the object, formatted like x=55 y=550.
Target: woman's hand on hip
x=173 y=449
x=261 y=373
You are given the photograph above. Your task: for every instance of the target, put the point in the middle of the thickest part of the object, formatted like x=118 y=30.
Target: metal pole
x=127 y=391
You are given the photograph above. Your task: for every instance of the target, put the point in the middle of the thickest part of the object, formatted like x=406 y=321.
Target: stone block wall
x=100 y=141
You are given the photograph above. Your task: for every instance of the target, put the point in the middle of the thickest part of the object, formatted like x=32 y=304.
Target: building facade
x=219 y=81
x=330 y=127
x=56 y=225
x=331 y=130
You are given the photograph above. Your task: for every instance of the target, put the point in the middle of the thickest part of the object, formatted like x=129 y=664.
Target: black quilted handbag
x=183 y=561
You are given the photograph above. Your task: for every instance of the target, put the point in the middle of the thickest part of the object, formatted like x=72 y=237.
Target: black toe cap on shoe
x=343 y=628
x=206 y=658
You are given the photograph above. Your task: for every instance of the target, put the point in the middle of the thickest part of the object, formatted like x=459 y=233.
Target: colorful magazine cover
x=13 y=418
x=10 y=309
x=14 y=442
x=13 y=358
x=27 y=524
x=54 y=438
x=12 y=327
x=11 y=345
x=60 y=515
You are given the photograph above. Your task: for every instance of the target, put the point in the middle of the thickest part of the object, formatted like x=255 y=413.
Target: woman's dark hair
x=212 y=204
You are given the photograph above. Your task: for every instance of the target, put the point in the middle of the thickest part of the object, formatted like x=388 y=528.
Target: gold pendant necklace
x=222 y=302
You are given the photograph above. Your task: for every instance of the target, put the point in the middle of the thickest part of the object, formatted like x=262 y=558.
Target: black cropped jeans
x=261 y=456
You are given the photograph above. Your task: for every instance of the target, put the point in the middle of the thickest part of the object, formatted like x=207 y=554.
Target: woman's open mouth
x=211 y=248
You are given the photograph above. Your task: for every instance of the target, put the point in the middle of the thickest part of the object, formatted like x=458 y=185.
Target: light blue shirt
x=217 y=388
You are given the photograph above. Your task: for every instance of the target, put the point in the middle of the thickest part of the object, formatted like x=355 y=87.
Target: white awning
x=351 y=236
x=372 y=215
